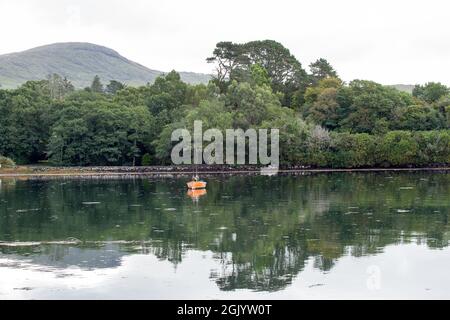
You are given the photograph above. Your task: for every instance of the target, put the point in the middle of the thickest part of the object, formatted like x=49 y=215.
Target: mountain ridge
x=403 y=87
x=79 y=62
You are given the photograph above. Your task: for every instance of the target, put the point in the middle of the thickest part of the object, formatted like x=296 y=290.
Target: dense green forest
x=323 y=121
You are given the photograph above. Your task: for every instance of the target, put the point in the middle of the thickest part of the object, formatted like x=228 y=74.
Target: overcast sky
x=390 y=42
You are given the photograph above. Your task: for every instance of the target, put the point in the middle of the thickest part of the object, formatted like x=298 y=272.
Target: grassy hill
x=79 y=62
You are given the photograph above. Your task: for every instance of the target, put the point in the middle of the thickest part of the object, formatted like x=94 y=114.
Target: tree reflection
x=263 y=230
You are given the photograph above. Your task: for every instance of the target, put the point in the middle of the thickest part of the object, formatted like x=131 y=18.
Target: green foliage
x=364 y=104
x=96 y=85
x=447 y=112
x=195 y=94
x=130 y=96
x=321 y=69
x=398 y=148
x=259 y=75
x=146 y=159
x=293 y=133
x=284 y=70
x=313 y=92
x=167 y=93
x=99 y=133
x=419 y=117
x=353 y=150
x=322 y=121
x=234 y=62
x=324 y=110
x=25 y=120
x=229 y=59
x=430 y=92
x=59 y=87
x=163 y=143
x=321 y=103
x=212 y=113
x=317 y=145
x=6 y=162
x=250 y=104
x=434 y=147
x=114 y=86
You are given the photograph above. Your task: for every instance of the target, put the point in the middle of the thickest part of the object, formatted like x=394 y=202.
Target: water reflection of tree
x=263 y=230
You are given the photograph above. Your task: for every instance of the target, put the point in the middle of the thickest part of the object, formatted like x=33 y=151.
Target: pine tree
x=97 y=85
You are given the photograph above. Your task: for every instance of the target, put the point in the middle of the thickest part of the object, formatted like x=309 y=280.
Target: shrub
x=353 y=150
x=398 y=148
x=394 y=149
x=317 y=143
x=146 y=160
x=6 y=162
x=434 y=147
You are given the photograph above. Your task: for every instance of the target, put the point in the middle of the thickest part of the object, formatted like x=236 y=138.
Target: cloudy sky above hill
x=387 y=41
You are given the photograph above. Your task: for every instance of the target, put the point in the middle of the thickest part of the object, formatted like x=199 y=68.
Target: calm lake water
x=339 y=235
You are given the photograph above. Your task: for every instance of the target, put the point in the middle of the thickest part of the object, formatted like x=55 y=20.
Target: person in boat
x=195 y=178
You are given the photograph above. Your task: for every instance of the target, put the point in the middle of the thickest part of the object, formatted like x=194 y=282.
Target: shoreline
x=29 y=171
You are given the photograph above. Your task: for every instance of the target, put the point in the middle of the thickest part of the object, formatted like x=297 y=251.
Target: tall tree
x=97 y=85
x=285 y=71
x=114 y=86
x=324 y=110
x=228 y=57
x=430 y=92
x=25 y=118
x=234 y=62
x=99 y=132
x=167 y=93
x=366 y=106
x=259 y=75
x=59 y=87
x=321 y=69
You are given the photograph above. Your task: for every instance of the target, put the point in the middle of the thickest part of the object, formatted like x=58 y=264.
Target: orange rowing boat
x=196 y=184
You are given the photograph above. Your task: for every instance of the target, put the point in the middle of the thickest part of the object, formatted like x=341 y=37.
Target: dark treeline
x=323 y=121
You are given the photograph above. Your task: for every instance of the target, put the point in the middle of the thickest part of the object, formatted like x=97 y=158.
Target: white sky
x=396 y=41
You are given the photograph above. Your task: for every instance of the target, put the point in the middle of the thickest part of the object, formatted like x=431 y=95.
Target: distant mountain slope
x=79 y=62
x=404 y=87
